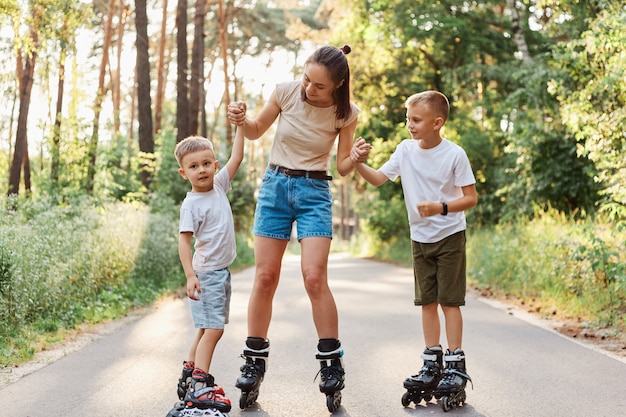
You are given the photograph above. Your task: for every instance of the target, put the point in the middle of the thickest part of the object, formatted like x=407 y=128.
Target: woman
x=313 y=112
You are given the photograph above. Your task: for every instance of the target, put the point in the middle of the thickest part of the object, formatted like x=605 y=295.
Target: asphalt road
x=519 y=368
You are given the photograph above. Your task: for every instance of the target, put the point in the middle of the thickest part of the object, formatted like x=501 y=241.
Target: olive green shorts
x=439 y=271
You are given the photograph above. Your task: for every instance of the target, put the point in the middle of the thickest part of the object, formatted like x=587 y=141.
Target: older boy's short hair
x=436 y=102
x=192 y=144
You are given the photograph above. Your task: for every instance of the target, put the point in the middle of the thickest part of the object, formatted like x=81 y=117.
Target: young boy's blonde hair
x=192 y=144
x=434 y=100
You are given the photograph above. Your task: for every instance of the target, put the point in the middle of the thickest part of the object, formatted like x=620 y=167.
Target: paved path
x=518 y=368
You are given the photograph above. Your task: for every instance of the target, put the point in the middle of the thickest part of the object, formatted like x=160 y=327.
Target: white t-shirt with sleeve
x=435 y=174
x=209 y=217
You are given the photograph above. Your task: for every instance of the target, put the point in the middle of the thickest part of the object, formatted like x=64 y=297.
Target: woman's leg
x=314 y=264
x=268 y=255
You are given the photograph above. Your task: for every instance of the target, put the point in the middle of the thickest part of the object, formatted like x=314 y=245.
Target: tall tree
x=100 y=94
x=224 y=47
x=116 y=75
x=196 y=81
x=144 y=101
x=182 y=85
x=26 y=73
x=160 y=93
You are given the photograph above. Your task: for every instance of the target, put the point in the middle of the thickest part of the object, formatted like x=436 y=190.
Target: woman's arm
x=346 y=138
x=256 y=127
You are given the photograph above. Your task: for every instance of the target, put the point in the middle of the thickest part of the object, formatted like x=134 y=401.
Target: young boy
x=205 y=215
x=438 y=185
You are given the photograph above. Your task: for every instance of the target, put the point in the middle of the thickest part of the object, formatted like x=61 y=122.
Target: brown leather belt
x=318 y=175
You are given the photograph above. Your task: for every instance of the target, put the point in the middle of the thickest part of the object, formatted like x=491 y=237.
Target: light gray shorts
x=211 y=310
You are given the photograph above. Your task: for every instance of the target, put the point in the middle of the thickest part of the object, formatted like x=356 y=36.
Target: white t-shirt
x=305 y=134
x=435 y=174
x=209 y=217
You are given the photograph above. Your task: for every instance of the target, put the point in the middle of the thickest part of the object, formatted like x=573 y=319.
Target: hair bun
x=346 y=49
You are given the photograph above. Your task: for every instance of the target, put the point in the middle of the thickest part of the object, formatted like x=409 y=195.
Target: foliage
x=63 y=265
x=592 y=92
x=573 y=270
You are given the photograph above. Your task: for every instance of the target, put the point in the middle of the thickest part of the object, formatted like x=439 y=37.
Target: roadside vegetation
x=64 y=266
x=550 y=266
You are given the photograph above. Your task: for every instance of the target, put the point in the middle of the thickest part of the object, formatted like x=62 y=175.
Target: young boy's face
x=199 y=168
x=421 y=122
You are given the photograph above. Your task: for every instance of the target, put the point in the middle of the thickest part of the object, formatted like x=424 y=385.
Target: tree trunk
x=197 y=58
x=182 y=86
x=160 y=94
x=56 y=135
x=21 y=137
x=93 y=143
x=224 y=47
x=144 y=101
x=518 y=35
x=116 y=76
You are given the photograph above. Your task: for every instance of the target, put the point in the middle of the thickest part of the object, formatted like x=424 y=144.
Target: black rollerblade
x=422 y=386
x=252 y=372
x=451 y=388
x=331 y=376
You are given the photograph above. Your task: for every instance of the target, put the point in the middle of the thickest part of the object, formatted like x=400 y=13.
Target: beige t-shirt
x=305 y=134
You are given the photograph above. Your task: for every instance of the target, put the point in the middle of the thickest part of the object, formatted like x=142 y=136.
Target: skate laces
x=250 y=370
x=330 y=372
x=450 y=374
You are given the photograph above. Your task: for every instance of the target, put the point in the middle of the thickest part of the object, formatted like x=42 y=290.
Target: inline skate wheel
x=333 y=401
x=243 y=400
x=406 y=399
x=445 y=403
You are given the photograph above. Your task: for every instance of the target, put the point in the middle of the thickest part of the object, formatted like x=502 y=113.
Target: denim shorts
x=211 y=310
x=284 y=199
x=439 y=271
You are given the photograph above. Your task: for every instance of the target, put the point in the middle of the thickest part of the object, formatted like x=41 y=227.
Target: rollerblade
x=331 y=375
x=185 y=379
x=422 y=386
x=204 y=398
x=253 y=371
x=451 y=388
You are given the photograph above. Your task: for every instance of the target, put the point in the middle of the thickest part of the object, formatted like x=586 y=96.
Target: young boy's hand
x=428 y=208
x=237 y=112
x=360 y=151
x=193 y=288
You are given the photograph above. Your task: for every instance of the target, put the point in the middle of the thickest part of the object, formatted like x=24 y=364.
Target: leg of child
x=194 y=346
x=430 y=324
x=454 y=326
x=206 y=347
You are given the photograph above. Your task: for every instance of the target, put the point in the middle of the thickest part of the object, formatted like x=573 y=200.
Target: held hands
x=193 y=288
x=236 y=112
x=360 y=151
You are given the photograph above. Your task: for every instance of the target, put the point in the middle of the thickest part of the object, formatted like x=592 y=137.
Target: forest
x=97 y=93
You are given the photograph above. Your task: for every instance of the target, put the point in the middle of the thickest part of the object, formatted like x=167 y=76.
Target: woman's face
x=318 y=85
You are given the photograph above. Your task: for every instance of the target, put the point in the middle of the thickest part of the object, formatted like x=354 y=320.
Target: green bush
x=572 y=269
x=61 y=266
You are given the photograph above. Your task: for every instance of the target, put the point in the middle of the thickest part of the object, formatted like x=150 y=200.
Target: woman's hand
x=360 y=151
x=236 y=112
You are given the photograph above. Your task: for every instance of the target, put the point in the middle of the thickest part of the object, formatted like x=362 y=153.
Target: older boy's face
x=421 y=122
x=199 y=168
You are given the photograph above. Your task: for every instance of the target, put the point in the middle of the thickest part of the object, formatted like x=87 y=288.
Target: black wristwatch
x=445 y=209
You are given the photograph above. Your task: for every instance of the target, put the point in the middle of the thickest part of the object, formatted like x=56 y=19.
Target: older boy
x=438 y=185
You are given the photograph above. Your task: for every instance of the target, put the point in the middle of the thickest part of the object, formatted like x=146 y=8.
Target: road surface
x=518 y=367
